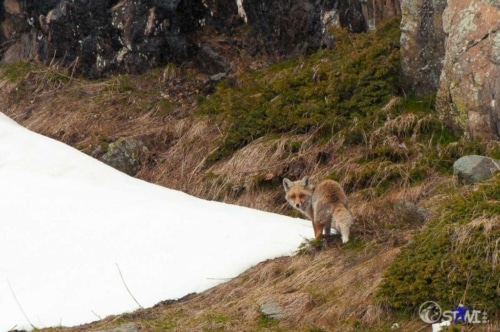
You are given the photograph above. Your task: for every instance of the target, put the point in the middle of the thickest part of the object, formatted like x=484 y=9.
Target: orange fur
x=326 y=205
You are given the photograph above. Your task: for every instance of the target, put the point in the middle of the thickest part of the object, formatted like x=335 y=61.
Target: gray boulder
x=289 y=307
x=410 y=213
x=474 y=169
x=128 y=327
x=272 y=310
x=125 y=155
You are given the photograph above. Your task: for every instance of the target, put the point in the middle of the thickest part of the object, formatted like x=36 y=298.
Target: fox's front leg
x=318 y=230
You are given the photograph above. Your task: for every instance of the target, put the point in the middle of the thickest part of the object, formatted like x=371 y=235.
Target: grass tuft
x=454 y=259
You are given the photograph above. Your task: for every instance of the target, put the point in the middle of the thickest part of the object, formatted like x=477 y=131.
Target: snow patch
x=76 y=233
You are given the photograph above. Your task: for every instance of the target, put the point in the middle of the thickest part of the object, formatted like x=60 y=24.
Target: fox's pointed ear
x=287 y=184
x=305 y=181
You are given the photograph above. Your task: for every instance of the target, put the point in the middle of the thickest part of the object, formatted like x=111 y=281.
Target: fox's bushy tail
x=342 y=221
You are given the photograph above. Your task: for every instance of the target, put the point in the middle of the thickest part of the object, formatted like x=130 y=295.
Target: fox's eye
x=292 y=197
x=302 y=196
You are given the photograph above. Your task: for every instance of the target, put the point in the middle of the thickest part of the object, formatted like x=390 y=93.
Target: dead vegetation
x=394 y=163
x=324 y=290
x=327 y=291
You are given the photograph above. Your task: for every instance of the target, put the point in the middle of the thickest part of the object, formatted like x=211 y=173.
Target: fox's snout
x=297 y=200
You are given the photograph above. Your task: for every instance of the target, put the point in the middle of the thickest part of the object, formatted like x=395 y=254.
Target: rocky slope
x=449 y=47
x=169 y=84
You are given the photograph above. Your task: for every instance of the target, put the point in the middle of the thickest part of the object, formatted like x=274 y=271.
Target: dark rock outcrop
x=279 y=26
x=18 y=28
x=99 y=37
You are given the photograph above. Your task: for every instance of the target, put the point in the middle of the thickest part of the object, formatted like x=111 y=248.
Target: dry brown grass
x=87 y=114
x=465 y=242
x=158 y=109
x=252 y=176
x=330 y=289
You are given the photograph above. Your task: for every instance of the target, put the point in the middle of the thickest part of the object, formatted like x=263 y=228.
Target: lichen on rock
x=125 y=155
x=468 y=96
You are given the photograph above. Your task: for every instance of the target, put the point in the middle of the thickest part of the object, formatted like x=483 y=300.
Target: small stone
x=125 y=155
x=128 y=327
x=474 y=168
x=271 y=310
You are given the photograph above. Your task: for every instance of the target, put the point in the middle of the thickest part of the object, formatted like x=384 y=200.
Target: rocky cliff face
x=453 y=47
x=469 y=90
x=422 y=43
x=97 y=37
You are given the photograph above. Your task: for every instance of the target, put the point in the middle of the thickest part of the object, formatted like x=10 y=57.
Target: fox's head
x=298 y=193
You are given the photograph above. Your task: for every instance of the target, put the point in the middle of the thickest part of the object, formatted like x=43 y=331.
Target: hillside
x=342 y=114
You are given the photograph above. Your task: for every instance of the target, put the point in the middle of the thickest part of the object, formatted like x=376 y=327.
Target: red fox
x=326 y=205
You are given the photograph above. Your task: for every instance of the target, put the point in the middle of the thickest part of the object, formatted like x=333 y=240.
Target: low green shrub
x=327 y=90
x=14 y=72
x=453 y=260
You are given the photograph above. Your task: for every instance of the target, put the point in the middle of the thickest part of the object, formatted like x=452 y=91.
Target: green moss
x=453 y=259
x=266 y=322
x=14 y=72
x=293 y=147
x=214 y=318
x=121 y=84
x=289 y=272
x=320 y=297
x=379 y=175
x=326 y=91
x=418 y=173
x=260 y=181
x=310 y=246
x=459 y=112
x=163 y=107
x=444 y=155
x=31 y=77
x=418 y=104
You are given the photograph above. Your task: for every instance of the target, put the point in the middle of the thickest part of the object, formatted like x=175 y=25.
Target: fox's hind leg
x=342 y=221
x=327 y=229
x=344 y=231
